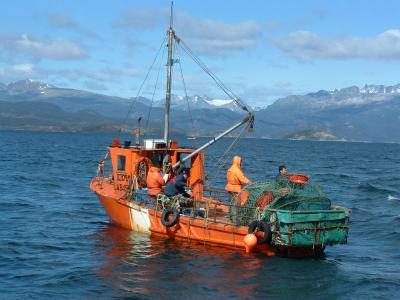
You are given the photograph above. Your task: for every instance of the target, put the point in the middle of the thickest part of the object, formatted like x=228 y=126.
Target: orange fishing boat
x=208 y=215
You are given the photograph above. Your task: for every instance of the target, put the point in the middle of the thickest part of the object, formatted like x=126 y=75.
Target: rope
x=186 y=95
x=203 y=66
x=154 y=91
x=235 y=141
x=221 y=164
x=140 y=88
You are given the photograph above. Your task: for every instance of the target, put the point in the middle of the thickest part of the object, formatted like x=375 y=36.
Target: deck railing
x=218 y=208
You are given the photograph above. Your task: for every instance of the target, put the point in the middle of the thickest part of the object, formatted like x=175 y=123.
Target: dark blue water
x=56 y=241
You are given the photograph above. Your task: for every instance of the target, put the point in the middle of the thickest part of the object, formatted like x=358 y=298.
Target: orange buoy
x=298 y=178
x=250 y=241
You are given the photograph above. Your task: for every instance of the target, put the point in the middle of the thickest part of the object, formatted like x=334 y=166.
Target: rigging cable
x=221 y=163
x=154 y=91
x=184 y=87
x=222 y=86
x=140 y=88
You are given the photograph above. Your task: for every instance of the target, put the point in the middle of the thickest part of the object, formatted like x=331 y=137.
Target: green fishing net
x=283 y=195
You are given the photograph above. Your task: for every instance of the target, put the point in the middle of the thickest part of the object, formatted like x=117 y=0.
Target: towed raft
x=293 y=219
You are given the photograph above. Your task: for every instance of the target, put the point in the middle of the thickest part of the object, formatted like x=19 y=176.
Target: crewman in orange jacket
x=235 y=181
x=154 y=182
x=235 y=177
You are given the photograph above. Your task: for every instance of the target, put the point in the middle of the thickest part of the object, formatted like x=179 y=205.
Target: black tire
x=264 y=227
x=253 y=225
x=165 y=216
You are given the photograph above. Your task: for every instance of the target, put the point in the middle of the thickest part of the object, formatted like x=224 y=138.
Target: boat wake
x=390 y=198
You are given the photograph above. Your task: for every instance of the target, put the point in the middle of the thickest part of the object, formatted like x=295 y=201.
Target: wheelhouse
x=130 y=164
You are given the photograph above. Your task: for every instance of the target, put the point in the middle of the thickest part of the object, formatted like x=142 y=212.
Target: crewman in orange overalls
x=154 y=182
x=236 y=179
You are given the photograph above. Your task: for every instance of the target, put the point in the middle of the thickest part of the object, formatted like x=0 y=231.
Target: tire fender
x=264 y=227
x=165 y=216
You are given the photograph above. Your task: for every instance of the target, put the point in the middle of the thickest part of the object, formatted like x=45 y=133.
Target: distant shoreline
x=54 y=129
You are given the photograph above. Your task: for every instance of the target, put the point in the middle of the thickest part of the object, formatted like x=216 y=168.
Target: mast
x=249 y=119
x=171 y=35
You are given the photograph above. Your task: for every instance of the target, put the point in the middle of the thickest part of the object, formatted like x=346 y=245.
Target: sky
x=261 y=50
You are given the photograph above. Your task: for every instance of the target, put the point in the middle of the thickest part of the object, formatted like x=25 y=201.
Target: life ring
x=264 y=227
x=298 y=178
x=265 y=199
x=142 y=167
x=165 y=216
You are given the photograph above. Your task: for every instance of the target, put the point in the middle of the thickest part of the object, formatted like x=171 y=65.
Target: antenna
x=171 y=19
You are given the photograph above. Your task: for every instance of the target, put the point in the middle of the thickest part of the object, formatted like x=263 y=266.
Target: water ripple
x=56 y=241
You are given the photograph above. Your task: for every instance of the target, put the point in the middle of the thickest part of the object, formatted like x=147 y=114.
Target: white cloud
x=93 y=79
x=24 y=68
x=68 y=23
x=307 y=46
x=214 y=37
x=142 y=18
x=18 y=72
x=102 y=75
x=263 y=95
x=14 y=45
x=210 y=37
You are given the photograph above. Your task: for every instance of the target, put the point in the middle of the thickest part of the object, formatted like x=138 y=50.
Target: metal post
x=137 y=132
x=171 y=35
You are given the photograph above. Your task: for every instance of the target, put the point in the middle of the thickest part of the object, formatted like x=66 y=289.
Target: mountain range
x=370 y=113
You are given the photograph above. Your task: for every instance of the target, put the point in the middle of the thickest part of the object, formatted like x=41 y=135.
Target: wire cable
x=155 y=88
x=140 y=88
x=186 y=95
x=222 y=86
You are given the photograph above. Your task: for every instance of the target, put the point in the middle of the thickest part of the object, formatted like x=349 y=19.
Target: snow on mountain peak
x=380 y=89
x=219 y=102
x=27 y=86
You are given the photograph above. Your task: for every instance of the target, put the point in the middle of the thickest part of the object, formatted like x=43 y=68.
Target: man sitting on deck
x=176 y=186
x=167 y=172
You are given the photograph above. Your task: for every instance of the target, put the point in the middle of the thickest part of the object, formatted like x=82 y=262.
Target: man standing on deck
x=235 y=177
x=234 y=185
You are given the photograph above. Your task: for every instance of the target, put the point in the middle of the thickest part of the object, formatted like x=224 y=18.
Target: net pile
x=281 y=195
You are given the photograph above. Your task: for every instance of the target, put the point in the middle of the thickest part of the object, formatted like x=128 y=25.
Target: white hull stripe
x=140 y=220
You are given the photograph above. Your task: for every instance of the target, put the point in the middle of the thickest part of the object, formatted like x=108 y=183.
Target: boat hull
x=132 y=216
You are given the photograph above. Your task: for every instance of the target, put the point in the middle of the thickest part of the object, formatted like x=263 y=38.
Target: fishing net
x=283 y=195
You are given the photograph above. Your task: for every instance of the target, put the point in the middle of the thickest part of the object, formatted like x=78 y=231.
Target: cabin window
x=188 y=163
x=121 y=162
x=156 y=158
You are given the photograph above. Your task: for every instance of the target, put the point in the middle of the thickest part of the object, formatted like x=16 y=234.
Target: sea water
x=57 y=242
